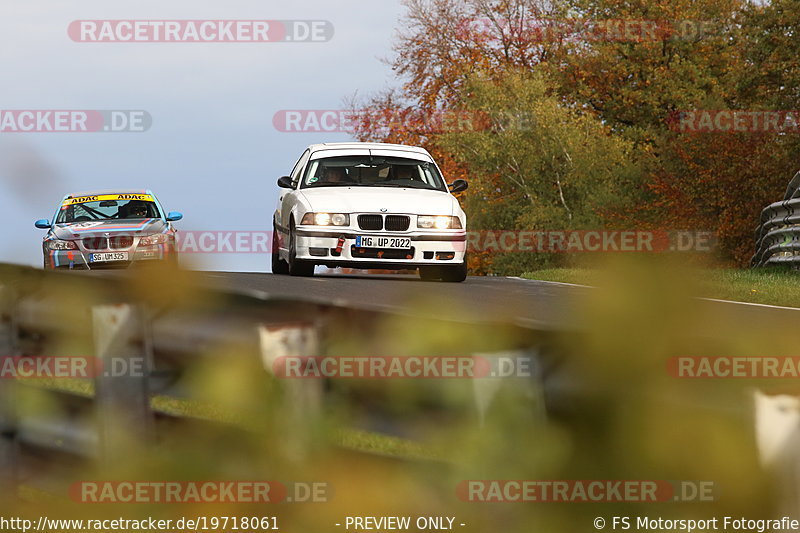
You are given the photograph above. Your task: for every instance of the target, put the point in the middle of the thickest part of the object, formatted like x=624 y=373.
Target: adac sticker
x=101 y=197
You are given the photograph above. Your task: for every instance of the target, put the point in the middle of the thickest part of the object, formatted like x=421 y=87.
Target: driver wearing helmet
x=136 y=209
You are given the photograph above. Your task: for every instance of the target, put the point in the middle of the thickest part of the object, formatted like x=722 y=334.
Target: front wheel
x=454 y=274
x=279 y=266
x=430 y=273
x=297 y=267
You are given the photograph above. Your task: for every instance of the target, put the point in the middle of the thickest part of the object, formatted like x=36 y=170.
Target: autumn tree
x=440 y=45
x=553 y=168
x=582 y=69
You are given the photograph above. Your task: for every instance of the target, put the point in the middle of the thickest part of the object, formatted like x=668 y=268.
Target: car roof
x=366 y=146
x=109 y=191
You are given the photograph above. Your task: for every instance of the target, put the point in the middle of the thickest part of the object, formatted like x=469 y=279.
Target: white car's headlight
x=56 y=244
x=326 y=219
x=438 y=222
x=150 y=240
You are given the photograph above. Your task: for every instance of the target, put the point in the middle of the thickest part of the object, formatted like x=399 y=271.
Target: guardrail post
x=522 y=377
x=124 y=356
x=302 y=398
x=9 y=448
x=776 y=435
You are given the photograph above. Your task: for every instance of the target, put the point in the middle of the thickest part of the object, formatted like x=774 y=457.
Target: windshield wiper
x=406 y=186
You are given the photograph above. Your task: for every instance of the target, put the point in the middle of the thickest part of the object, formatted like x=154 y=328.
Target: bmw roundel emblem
x=383 y=209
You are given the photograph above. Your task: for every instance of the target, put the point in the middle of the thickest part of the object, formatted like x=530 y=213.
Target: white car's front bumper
x=323 y=247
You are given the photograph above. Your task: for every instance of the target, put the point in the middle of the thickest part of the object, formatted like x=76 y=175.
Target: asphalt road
x=532 y=304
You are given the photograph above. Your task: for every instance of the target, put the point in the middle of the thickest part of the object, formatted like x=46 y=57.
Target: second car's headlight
x=150 y=240
x=438 y=222
x=326 y=219
x=56 y=244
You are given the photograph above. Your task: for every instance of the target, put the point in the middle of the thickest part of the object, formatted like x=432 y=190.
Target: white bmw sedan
x=369 y=205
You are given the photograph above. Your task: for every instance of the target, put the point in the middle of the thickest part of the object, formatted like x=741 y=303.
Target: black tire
x=454 y=274
x=430 y=273
x=171 y=258
x=297 y=267
x=279 y=266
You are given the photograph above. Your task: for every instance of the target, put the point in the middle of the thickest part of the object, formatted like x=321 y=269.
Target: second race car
x=108 y=229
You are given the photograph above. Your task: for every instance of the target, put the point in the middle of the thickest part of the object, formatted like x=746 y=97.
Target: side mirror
x=285 y=182
x=458 y=186
x=42 y=223
x=174 y=216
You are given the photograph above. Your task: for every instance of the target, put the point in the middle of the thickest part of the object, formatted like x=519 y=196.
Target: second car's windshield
x=106 y=210
x=372 y=171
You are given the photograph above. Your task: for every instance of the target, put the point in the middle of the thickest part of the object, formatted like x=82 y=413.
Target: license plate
x=383 y=242
x=108 y=256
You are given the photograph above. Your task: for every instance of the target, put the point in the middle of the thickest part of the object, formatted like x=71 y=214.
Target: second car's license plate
x=108 y=256
x=383 y=242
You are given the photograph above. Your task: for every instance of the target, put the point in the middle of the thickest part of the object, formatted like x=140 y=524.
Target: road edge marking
x=770 y=306
x=754 y=304
x=553 y=282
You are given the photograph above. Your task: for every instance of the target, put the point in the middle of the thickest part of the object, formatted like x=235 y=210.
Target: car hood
x=376 y=199
x=97 y=228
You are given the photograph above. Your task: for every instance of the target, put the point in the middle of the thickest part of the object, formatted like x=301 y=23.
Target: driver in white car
x=403 y=172
x=334 y=175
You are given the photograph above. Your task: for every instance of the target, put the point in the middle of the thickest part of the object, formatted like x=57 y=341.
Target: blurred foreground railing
x=617 y=417
x=141 y=350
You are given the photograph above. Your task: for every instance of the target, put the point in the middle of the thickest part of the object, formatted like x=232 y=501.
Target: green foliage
x=541 y=166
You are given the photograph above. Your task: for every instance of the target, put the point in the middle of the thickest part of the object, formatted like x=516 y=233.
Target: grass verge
x=773 y=286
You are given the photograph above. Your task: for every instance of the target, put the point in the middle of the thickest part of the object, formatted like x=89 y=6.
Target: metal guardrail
x=165 y=344
x=778 y=233
x=116 y=325
x=127 y=334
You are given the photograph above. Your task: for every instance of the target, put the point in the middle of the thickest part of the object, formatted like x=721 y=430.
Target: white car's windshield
x=372 y=171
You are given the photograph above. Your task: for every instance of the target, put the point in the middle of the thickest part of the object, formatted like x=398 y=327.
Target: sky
x=212 y=151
